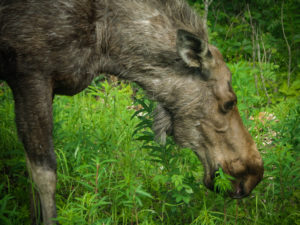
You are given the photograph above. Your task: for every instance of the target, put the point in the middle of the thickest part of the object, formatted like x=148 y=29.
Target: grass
x=111 y=172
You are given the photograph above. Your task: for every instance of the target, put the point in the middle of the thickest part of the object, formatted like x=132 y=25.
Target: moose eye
x=229 y=105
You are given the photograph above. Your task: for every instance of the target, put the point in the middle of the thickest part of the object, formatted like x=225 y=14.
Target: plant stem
x=288 y=46
x=236 y=211
x=253 y=50
x=96 y=181
x=225 y=214
x=261 y=69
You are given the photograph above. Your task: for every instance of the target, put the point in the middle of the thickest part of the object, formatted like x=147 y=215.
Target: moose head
x=201 y=113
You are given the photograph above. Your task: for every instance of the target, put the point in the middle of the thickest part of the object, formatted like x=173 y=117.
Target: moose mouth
x=237 y=193
x=240 y=187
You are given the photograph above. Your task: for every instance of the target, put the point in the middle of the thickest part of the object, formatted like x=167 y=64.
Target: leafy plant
x=222 y=182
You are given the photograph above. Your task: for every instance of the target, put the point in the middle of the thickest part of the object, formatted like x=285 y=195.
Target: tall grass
x=111 y=172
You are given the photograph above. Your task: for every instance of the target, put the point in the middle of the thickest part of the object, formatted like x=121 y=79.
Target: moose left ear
x=191 y=48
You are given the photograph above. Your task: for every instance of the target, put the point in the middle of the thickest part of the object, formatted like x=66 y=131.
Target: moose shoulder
x=57 y=47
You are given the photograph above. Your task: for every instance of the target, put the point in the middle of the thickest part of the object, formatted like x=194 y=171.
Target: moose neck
x=143 y=43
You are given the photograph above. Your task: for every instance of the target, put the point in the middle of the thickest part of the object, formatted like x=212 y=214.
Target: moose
x=57 y=47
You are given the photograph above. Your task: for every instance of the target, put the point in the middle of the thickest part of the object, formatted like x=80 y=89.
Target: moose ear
x=191 y=48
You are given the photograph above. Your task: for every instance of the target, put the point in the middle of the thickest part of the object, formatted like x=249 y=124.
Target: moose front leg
x=45 y=180
x=33 y=108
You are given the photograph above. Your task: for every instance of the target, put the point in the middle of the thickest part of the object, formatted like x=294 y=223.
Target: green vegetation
x=111 y=172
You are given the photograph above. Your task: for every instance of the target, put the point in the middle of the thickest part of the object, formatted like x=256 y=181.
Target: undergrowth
x=110 y=171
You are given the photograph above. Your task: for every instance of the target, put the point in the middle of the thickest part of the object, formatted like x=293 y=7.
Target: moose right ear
x=191 y=48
